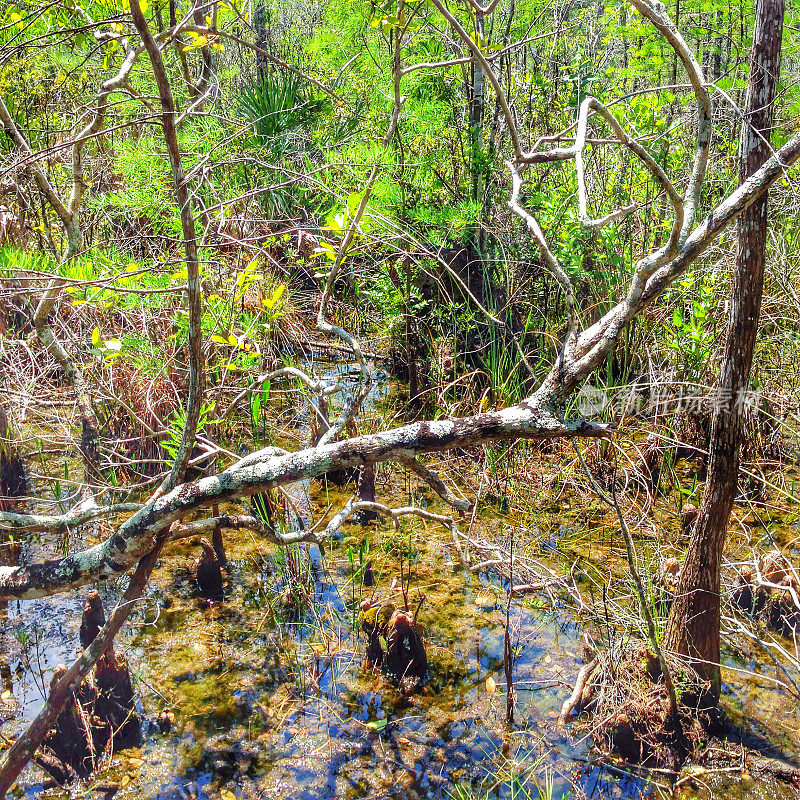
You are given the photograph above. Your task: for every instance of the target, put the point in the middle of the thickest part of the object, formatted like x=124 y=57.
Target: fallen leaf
x=6 y=695
x=225 y=794
x=491 y=686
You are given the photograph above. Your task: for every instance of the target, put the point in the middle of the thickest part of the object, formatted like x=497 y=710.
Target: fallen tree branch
x=273 y=467
x=206 y=527
x=574 y=699
x=82 y=512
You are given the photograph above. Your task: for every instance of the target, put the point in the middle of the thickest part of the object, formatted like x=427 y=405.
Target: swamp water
x=270 y=698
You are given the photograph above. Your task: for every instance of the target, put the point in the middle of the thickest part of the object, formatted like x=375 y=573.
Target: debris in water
x=769 y=594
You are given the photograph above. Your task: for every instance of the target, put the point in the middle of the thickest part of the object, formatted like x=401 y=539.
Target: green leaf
x=96 y=337
x=377 y=724
x=353 y=201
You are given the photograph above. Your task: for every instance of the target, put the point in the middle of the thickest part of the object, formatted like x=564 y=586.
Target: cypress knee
x=208 y=573
x=93 y=618
x=116 y=701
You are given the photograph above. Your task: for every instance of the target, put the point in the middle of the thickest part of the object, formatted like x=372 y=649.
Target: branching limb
x=82 y=512
x=395 y=514
x=656 y=13
x=595 y=342
x=548 y=256
x=206 y=527
x=436 y=483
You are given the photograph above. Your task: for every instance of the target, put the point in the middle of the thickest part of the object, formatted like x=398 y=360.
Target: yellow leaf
x=143 y=6
x=278 y=293
x=491 y=686
x=225 y=794
x=199 y=41
x=6 y=694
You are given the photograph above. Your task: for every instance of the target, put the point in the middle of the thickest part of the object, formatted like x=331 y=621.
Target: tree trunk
x=260 y=25
x=693 y=627
x=13 y=482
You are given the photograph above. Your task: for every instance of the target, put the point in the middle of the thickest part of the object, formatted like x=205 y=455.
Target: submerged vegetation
x=397 y=375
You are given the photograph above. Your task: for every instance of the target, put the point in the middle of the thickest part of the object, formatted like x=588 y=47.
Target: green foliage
x=145 y=196
x=175 y=425
x=691 y=333
x=277 y=107
x=14 y=261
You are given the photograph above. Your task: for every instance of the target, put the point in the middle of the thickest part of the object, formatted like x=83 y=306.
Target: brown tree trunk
x=693 y=627
x=191 y=259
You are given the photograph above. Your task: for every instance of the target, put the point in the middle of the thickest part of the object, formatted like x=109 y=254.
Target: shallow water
x=275 y=704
